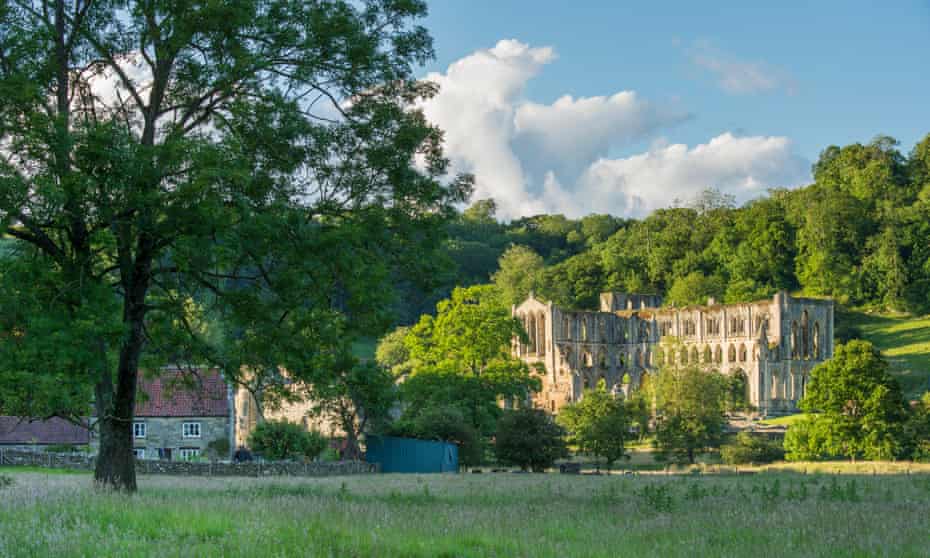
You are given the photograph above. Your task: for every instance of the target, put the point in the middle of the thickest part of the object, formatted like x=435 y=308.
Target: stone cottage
x=183 y=414
x=773 y=344
x=18 y=433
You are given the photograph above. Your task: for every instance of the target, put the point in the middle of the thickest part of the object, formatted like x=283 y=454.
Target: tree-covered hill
x=860 y=233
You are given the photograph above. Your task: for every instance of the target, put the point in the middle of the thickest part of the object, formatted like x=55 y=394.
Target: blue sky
x=774 y=83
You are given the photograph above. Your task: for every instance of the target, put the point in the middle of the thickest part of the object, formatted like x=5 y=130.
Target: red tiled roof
x=179 y=394
x=17 y=430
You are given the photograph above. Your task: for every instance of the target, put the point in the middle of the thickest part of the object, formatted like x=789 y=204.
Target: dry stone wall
x=194 y=468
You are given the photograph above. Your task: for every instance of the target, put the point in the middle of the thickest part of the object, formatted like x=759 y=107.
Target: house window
x=188 y=454
x=139 y=453
x=138 y=430
x=190 y=430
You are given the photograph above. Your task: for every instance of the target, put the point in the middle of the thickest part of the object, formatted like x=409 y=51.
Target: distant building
x=179 y=414
x=773 y=343
x=24 y=434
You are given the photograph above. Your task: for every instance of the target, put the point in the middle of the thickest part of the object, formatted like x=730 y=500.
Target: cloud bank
x=533 y=157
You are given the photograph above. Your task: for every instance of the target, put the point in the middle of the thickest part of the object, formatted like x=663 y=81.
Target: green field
x=905 y=342
x=767 y=514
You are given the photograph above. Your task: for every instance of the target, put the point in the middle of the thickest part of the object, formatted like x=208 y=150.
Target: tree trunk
x=116 y=465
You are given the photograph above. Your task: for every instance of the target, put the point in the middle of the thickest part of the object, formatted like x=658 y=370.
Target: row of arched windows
x=692 y=355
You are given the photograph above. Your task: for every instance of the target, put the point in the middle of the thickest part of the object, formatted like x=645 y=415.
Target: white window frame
x=139 y=453
x=187 y=429
x=188 y=454
x=135 y=429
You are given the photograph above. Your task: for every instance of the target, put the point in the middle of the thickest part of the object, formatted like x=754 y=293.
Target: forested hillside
x=860 y=233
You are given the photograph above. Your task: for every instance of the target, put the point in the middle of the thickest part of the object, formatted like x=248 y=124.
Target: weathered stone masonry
x=774 y=343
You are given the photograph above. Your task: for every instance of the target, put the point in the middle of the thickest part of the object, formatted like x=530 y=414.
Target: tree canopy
x=165 y=166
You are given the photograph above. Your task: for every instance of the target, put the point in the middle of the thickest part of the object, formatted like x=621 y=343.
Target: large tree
x=690 y=405
x=598 y=424
x=163 y=164
x=857 y=407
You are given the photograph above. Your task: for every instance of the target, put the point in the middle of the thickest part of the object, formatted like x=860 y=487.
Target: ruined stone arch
x=584 y=328
x=815 y=338
x=708 y=355
x=566 y=327
x=683 y=355
x=742 y=352
x=541 y=336
x=602 y=329
x=643 y=331
x=587 y=359
x=639 y=358
x=566 y=356
x=694 y=355
x=531 y=332
x=718 y=354
x=621 y=361
x=794 y=339
x=731 y=353
x=602 y=358
x=805 y=336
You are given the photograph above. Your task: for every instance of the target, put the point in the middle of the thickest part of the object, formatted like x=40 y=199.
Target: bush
x=5 y=481
x=751 y=448
x=529 y=439
x=278 y=440
x=219 y=448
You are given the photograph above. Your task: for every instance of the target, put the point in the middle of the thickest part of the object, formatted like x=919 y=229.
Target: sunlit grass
x=905 y=342
x=765 y=514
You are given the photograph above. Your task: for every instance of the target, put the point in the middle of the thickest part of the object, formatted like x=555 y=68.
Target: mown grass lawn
x=905 y=342
x=767 y=514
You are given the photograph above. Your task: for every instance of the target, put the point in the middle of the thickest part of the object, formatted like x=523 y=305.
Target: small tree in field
x=529 y=439
x=857 y=405
x=598 y=424
x=286 y=440
x=689 y=412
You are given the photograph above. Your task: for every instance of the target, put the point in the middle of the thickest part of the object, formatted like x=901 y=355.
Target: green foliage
x=690 y=405
x=207 y=207
x=392 y=352
x=858 y=404
x=462 y=358
x=529 y=439
x=694 y=288
x=751 y=448
x=519 y=273
x=917 y=430
x=359 y=397
x=280 y=440
x=219 y=448
x=5 y=481
x=598 y=424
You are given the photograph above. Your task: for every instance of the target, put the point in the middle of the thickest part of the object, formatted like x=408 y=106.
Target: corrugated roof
x=17 y=430
x=175 y=393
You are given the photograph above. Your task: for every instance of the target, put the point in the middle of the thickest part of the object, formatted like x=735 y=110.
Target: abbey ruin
x=773 y=343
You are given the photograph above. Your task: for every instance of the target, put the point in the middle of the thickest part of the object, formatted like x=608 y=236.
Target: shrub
x=5 y=481
x=278 y=440
x=219 y=448
x=529 y=439
x=751 y=448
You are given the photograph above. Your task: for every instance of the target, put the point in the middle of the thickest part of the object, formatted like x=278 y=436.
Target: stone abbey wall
x=774 y=343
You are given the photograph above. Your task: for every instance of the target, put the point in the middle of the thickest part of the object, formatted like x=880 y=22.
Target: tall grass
x=767 y=514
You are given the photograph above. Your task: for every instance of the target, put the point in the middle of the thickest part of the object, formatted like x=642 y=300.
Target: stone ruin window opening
x=816 y=341
x=567 y=328
x=731 y=354
x=584 y=329
x=708 y=355
x=742 y=353
x=713 y=326
x=718 y=355
x=690 y=328
x=805 y=336
x=695 y=359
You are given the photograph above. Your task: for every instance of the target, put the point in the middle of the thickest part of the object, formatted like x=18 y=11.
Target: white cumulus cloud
x=535 y=157
x=741 y=77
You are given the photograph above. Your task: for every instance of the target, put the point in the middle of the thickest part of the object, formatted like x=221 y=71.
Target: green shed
x=408 y=455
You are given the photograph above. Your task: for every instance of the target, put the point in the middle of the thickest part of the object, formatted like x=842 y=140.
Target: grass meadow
x=776 y=513
x=905 y=342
